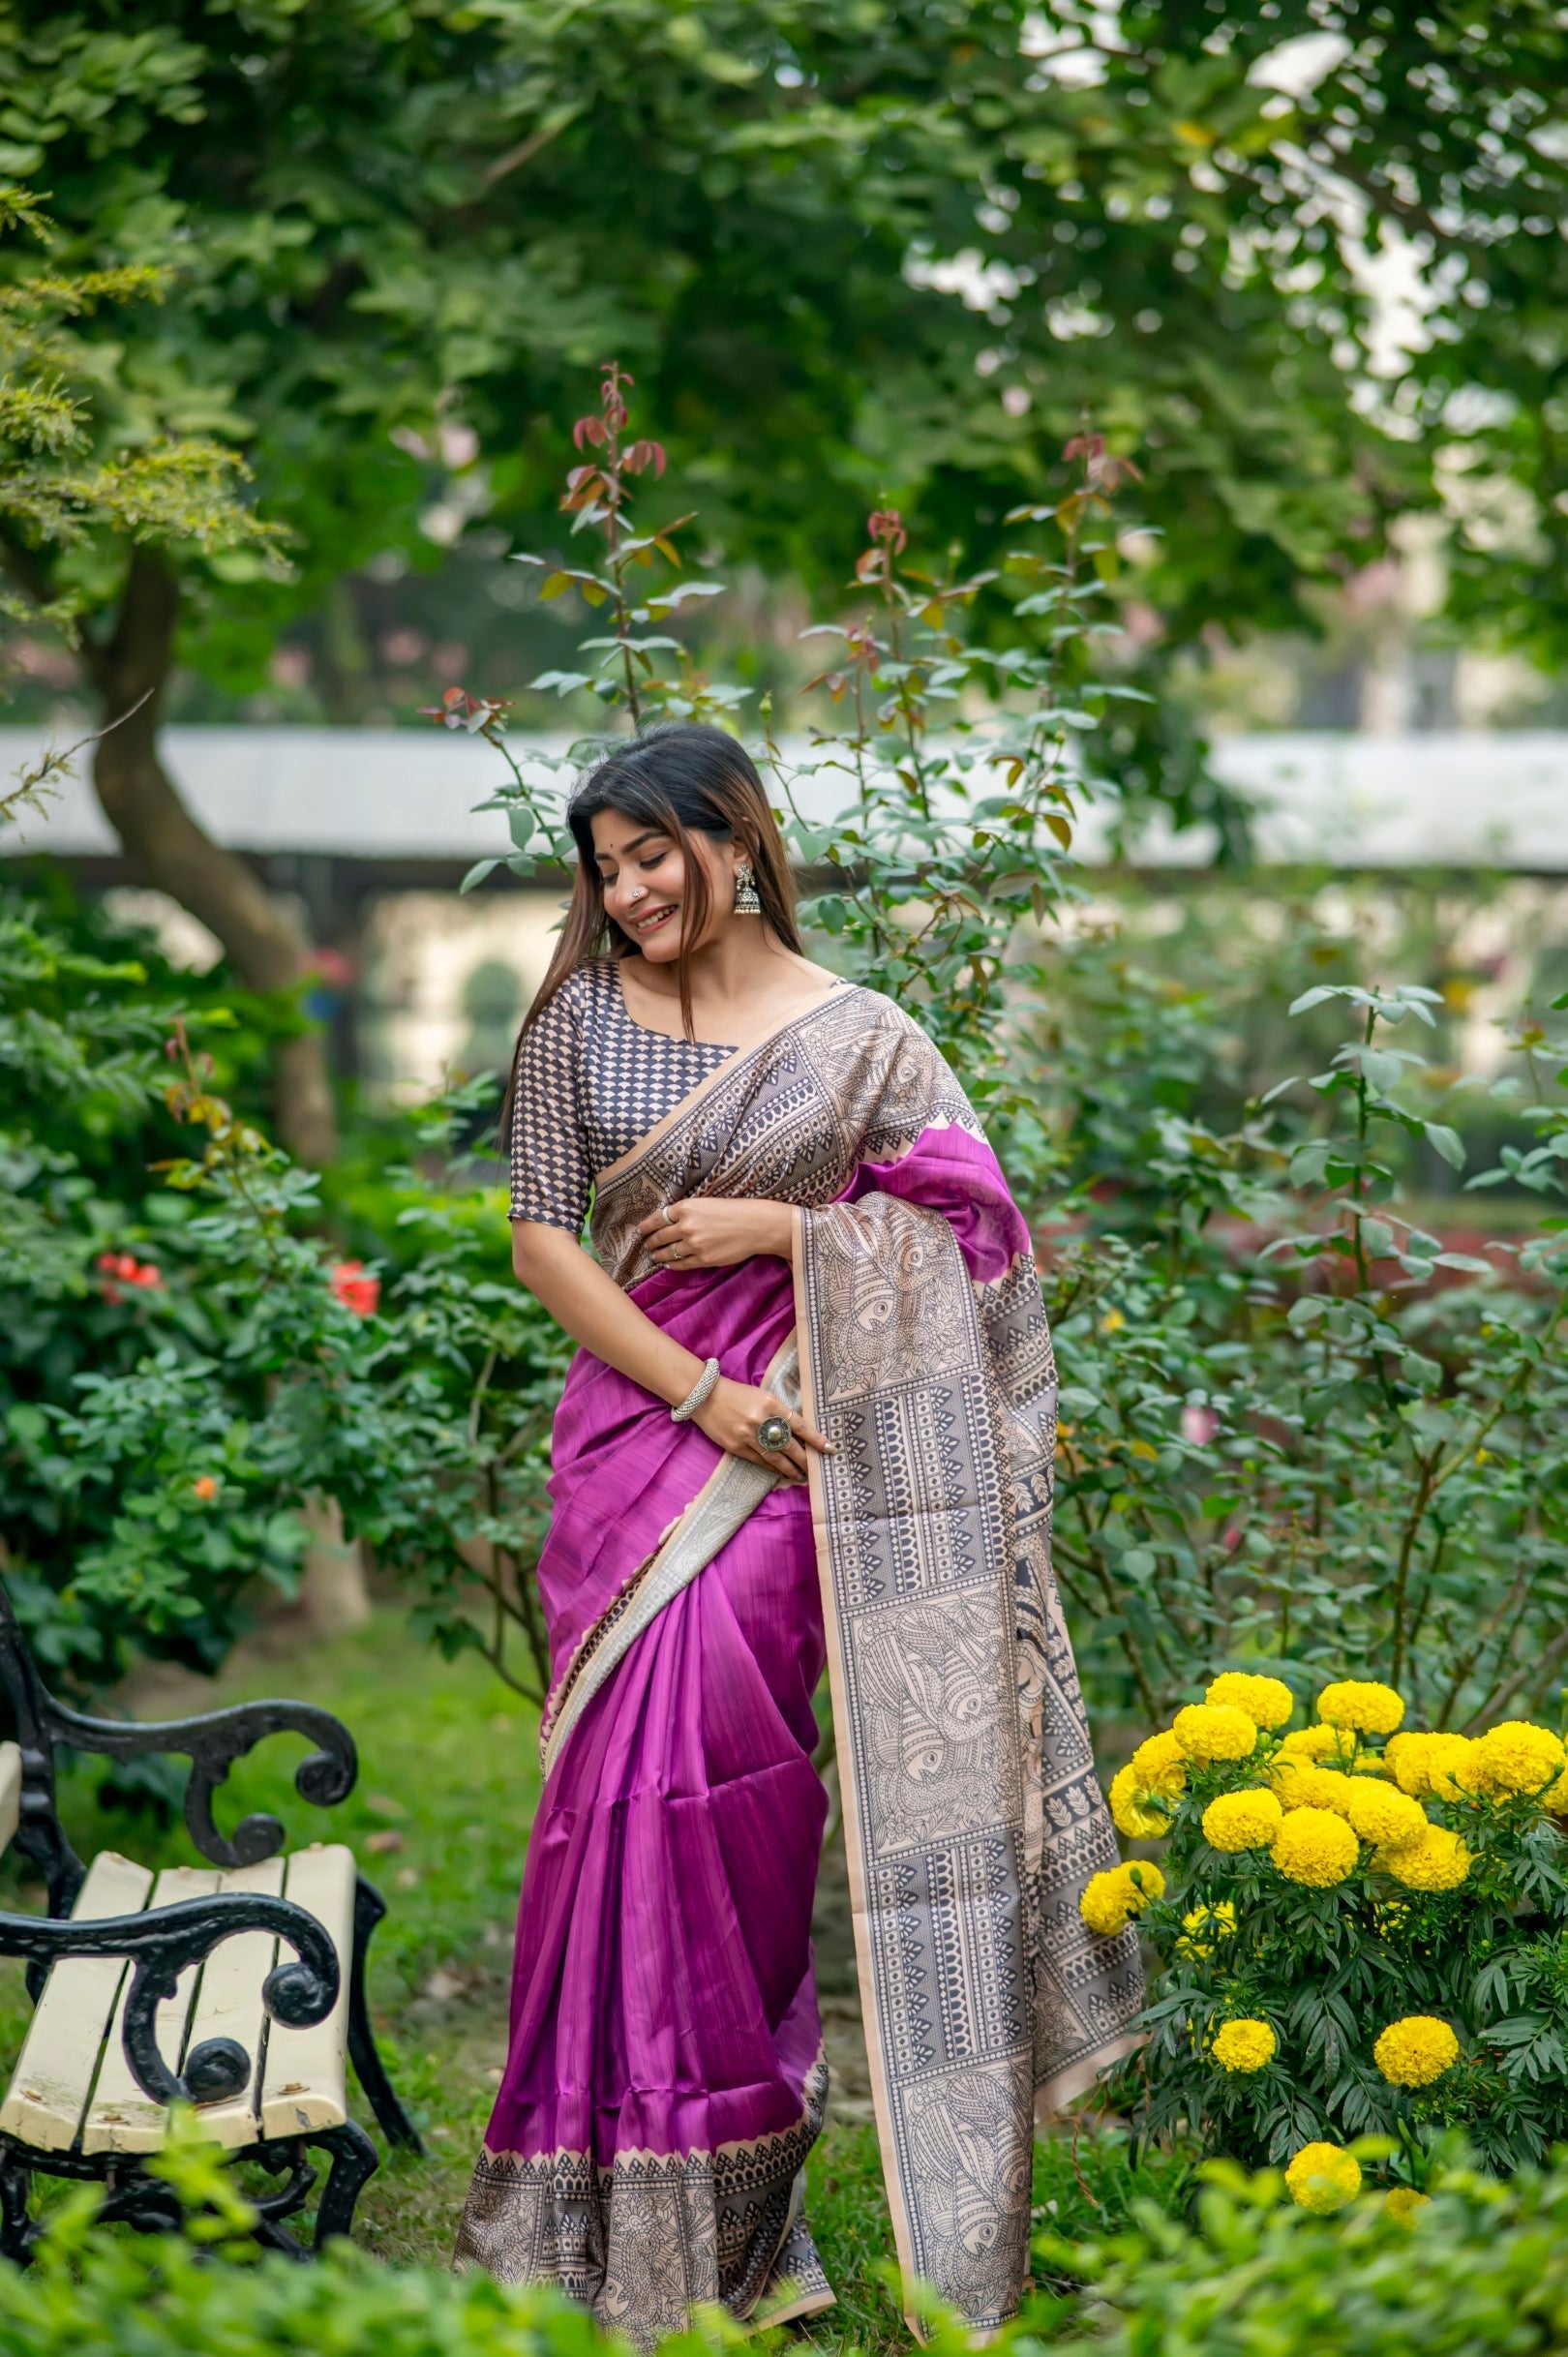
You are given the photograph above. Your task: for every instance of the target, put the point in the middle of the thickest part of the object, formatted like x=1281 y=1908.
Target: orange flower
x=205 y=1487
x=354 y=1288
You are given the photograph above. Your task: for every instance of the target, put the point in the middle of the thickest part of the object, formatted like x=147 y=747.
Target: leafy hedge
x=1482 y=2268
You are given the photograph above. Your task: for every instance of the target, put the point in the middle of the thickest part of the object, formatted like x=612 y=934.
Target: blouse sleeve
x=552 y=1177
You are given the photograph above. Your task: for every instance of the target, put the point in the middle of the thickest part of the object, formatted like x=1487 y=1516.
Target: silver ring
x=669 y=1215
x=772 y=1435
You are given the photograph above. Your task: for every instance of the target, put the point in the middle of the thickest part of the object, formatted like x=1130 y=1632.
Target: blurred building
x=372 y=830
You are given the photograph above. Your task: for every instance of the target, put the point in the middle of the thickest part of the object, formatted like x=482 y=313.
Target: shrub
x=1358 y=1930
x=1480 y=2270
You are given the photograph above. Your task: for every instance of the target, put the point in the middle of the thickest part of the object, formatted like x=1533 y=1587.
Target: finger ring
x=772 y=1435
x=669 y=1215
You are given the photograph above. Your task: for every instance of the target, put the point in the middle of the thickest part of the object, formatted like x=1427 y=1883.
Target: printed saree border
x=615 y=2234
x=613 y=1172
x=1004 y=2063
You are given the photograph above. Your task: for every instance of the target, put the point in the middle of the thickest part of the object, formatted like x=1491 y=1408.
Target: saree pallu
x=665 y=2080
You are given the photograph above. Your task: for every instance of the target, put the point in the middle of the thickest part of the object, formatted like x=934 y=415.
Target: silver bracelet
x=697 y=1395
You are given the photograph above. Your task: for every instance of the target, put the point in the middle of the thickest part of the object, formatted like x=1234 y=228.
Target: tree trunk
x=170 y=850
x=333 y=1591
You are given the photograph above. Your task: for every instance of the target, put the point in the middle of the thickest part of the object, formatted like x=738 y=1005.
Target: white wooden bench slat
x=305 y=2085
x=11 y=1785
x=53 y=2077
x=120 y=2118
x=229 y=2005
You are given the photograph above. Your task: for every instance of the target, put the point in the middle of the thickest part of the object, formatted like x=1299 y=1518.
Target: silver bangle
x=697 y=1395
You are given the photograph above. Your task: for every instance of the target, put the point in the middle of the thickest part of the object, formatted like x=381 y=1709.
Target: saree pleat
x=665 y=2078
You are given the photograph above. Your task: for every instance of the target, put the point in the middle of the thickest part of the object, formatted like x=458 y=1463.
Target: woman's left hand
x=715 y=1231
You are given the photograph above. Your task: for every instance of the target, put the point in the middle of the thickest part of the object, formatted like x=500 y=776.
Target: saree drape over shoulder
x=665 y=2080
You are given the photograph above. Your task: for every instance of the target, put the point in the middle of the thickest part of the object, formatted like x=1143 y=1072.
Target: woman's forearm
x=596 y=1313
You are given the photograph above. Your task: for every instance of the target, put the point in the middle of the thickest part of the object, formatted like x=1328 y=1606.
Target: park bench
x=238 y=1986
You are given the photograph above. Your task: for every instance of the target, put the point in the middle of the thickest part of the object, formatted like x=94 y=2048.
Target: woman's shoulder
x=590 y=985
x=876 y=1010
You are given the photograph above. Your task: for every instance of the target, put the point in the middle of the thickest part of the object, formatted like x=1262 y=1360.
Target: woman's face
x=644 y=882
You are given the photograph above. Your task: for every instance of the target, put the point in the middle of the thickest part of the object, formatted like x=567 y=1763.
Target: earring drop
x=747 y=899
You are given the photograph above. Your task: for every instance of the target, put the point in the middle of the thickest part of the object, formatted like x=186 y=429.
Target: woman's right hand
x=731 y=1414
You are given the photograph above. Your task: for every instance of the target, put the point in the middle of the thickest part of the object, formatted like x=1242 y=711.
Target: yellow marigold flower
x=1415 y=2051
x=1241 y=1821
x=1244 y=2045
x=1206 y=1733
x=1307 y=1744
x=1125 y=1890
x=1314 y=1846
x=1363 y=1704
x=1139 y=1814
x=1391 y=1819
x=1516 y=1757
x=1323 y=2177
x=1437 y=1861
x=1302 y=1786
x=1555 y=1799
x=1268 y=1702
x=1402 y=2202
x=1161 y=1763
x=1219 y=1921
x=1443 y=1767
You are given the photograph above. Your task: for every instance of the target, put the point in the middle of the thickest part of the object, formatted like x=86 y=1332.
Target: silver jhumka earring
x=747 y=899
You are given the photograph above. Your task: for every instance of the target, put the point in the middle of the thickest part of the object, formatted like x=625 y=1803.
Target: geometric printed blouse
x=590 y=1083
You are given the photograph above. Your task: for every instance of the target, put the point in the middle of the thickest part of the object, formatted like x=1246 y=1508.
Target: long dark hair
x=685 y=779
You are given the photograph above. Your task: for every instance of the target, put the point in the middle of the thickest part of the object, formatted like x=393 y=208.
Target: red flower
x=117 y=1269
x=354 y=1288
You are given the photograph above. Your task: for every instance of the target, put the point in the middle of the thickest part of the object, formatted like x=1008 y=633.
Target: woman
x=813 y=1413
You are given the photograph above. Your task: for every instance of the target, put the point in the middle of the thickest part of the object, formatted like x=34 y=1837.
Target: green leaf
x=1446 y=1142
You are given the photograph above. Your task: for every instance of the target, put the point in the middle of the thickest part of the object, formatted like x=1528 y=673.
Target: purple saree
x=665 y=2079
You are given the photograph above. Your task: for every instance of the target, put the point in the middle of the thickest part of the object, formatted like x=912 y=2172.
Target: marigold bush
x=1373 y=1947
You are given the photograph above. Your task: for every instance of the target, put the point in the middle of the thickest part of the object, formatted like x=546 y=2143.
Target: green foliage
x=1319 y=1435
x=189 y=1363
x=1480 y=2271
x=88 y=2288
x=967 y=240
x=61 y=480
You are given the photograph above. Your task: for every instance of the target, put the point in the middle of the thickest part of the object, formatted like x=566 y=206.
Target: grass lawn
x=449 y=1777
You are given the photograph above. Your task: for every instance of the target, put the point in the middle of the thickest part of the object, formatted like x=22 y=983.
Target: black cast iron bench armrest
x=212 y=1742
x=162 y=1944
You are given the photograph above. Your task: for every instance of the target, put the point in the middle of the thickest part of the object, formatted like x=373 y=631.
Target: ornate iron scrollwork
x=211 y=1741
x=160 y=1945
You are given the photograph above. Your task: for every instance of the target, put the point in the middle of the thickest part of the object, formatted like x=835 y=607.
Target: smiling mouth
x=654 y=918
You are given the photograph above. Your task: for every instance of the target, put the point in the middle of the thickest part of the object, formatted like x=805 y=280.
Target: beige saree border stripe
x=730 y=1495
x=746 y=1047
